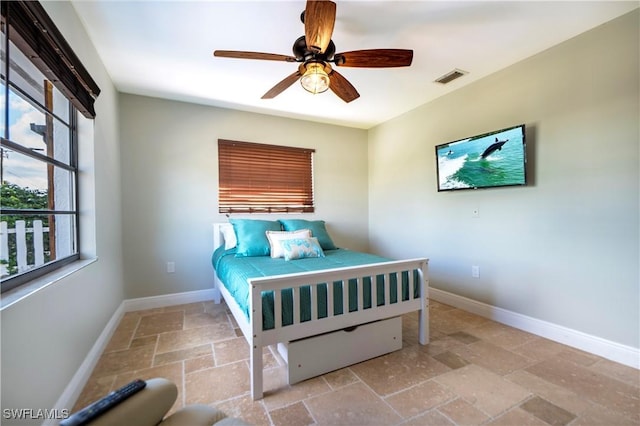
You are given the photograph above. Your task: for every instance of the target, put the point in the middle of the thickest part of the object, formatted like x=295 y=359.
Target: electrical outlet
x=475 y=271
x=171 y=267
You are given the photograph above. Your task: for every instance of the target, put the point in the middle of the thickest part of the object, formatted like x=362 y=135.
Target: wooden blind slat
x=264 y=178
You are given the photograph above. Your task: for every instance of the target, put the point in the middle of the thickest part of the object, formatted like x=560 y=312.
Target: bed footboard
x=370 y=304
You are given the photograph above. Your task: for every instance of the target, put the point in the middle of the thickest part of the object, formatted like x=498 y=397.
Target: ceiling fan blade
x=342 y=87
x=375 y=58
x=253 y=55
x=280 y=87
x=319 y=19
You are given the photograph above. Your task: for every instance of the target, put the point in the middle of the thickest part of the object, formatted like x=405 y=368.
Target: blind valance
x=30 y=28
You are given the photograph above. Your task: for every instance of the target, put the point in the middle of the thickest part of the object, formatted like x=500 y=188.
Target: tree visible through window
x=260 y=178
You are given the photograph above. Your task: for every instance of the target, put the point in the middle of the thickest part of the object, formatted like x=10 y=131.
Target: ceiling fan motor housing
x=302 y=53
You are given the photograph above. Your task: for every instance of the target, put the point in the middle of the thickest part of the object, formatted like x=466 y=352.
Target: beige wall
x=170 y=171
x=563 y=249
x=46 y=336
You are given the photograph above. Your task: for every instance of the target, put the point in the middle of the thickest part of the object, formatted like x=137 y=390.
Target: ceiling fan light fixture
x=315 y=79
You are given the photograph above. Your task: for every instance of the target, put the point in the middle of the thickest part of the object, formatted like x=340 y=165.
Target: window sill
x=15 y=295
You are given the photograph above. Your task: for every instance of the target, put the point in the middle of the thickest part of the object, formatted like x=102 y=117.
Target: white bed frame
x=332 y=324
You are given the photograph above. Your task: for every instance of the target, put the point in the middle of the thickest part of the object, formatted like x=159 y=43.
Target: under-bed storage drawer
x=321 y=354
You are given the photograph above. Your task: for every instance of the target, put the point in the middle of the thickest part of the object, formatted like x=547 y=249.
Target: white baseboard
x=153 y=302
x=79 y=380
x=613 y=351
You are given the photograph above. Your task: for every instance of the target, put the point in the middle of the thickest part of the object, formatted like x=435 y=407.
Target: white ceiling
x=165 y=48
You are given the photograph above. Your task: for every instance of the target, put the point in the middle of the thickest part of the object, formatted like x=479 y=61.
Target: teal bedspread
x=234 y=272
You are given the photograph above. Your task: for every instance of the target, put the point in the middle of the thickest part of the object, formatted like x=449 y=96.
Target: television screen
x=483 y=161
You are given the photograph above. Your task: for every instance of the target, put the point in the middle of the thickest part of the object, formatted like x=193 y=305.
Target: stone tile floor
x=474 y=371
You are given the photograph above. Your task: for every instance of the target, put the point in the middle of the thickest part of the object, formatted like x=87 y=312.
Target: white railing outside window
x=22 y=249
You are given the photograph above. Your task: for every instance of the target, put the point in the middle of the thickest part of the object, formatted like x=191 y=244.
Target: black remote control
x=92 y=411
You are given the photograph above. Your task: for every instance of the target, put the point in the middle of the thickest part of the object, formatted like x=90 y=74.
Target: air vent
x=450 y=76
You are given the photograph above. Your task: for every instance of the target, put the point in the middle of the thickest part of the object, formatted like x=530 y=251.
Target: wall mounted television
x=488 y=160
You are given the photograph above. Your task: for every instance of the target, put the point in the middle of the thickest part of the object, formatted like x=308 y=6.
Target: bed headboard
x=219 y=229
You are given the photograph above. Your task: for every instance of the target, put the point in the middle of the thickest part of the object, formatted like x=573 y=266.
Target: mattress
x=234 y=272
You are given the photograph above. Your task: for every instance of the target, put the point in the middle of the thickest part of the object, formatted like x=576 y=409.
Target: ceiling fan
x=315 y=51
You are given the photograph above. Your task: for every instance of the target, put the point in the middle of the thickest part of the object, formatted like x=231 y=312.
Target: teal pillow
x=251 y=235
x=317 y=227
x=300 y=248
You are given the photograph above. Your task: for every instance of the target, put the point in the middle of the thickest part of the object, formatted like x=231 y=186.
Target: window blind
x=260 y=178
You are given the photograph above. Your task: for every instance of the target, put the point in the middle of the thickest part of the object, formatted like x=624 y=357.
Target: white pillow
x=229 y=235
x=275 y=238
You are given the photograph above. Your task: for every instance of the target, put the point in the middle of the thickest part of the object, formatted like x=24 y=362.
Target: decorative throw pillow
x=251 y=236
x=317 y=228
x=300 y=248
x=276 y=237
x=229 y=236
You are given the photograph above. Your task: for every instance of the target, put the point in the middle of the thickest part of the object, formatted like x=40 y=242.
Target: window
x=259 y=178
x=43 y=85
